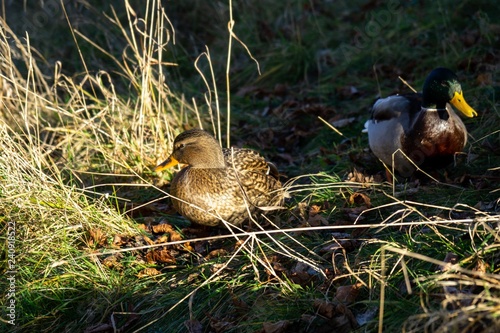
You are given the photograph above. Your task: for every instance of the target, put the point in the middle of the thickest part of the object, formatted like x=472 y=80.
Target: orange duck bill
x=168 y=163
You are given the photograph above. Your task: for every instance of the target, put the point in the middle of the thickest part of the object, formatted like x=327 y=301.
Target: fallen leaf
x=314 y=218
x=160 y=256
x=148 y=272
x=277 y=327
x=481 y=266
x=119 y=240
x=317 y=220
x=193 y=326
x=484 y=79
x=162 y=239
x=97 y=237
x=358 y=176
x=314 y=210
x=187 y=247
x=148 y=240
x=301 y=278
x=201 y=248
x=216 y=253
x=166 y=228
x=347 y=294
x=325 y=308
x=238 y=244
x=239 y=303
x=340 y=318
x=113 y=261
x=358 y=198
x=220 y=325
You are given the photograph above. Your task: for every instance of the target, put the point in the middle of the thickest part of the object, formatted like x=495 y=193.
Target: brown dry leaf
x=354 y=213
x=239 y=303
x=162 y=239
x=341 y=242
x=341 y=319
x=350 y=244
x=193 y=326
x=142 y=226
x=200 y=248
x=300 y=274
x=325 y=308
x=160 y=256
x=119 y=240
x=358 y=176
x=348 y=294
x=277 y=327
x=175 y=236
x=238 y=243
x=278 y=267
x=484 y=79
x=216 y=253
x=301 y=278
x=97 y=237
x=347 y=315
x=113 y=261
x=360 y=199
x=187 y=247
x=148 y=240
x=481 y=266
x=220 y=325
x=148 y=272
x=317 y=220
x=162 y=228
x=167 y=228
x=314 y=210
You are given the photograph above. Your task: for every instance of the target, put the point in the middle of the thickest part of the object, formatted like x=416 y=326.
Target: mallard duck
x=423 y=127
x=219 y=184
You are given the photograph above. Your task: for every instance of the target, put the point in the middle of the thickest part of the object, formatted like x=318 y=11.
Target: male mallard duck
x=219 y=184
x=422 y=126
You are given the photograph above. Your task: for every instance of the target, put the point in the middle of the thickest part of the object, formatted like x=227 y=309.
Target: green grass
x=79 y=142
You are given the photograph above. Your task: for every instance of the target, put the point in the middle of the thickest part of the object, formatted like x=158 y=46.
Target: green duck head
x=441 y=87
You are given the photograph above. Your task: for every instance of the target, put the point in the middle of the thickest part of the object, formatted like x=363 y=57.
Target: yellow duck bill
x=168 y=163
x=459 y=102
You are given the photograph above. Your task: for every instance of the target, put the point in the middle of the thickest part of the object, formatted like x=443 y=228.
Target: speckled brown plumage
x=220 y=184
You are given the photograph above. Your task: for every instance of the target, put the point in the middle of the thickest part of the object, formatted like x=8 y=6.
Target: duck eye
x=181 y=146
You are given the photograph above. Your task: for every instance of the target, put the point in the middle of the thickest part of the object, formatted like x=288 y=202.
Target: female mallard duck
x=421 y=127
x=219 y=184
